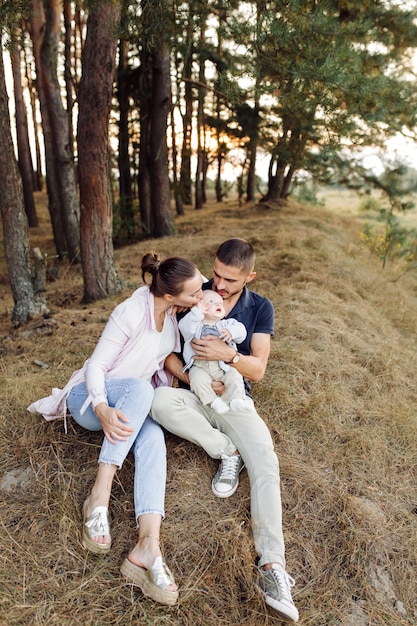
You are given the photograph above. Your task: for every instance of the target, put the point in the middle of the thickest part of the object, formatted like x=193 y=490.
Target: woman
x=113 y=392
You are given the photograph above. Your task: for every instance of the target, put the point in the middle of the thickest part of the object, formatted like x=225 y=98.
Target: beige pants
x=202 y=374
x=180 y=412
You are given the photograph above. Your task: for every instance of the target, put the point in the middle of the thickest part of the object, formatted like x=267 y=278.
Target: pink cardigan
x=127 y=348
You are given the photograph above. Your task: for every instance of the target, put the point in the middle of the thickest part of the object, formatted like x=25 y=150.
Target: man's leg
x=252 y=438
x=181 y=412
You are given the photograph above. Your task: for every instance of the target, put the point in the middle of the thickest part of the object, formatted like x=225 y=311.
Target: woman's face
x=191 y=292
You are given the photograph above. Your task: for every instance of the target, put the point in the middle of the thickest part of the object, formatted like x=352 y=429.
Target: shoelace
x=229 y=467
x=284 y=582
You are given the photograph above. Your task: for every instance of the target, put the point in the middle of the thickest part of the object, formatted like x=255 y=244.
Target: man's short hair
x=237 y=253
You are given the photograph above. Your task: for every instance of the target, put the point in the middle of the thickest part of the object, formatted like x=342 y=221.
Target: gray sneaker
x=226 y=480
x=275 y=585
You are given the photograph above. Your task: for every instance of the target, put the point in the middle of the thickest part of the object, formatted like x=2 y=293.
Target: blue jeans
x=134 y=397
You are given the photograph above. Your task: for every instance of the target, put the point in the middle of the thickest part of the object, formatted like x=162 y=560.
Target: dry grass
x=339 y=397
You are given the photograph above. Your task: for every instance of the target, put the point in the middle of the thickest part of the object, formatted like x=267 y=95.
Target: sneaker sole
x=277 y=606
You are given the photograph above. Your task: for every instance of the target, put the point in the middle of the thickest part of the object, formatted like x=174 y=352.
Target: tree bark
x=37 y=173
x=155 y=104
x=37 y=29
x=161 y=219
x=126 y=213
x=187 y=118
x=27 y=302
x=144 y=176
x=22 y=134
x=95 y=94
x=60 y=130
x=68 y=74
x=179 y=205
x=199 y=175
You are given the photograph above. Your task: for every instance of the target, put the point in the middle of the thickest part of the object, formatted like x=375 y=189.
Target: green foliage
x=329 y=72
x=12 y=11
x=369 y=204
x=306 y=193
x=395 y=184
x=393 y=241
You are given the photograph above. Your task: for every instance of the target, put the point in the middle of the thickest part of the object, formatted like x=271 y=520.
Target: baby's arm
x=189 y=324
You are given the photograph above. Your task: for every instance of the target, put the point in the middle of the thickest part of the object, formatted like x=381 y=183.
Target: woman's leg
x=133 y=397
x=149 y=452
x=149 y=495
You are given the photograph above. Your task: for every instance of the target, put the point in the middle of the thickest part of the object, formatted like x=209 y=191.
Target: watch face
x=236 y=358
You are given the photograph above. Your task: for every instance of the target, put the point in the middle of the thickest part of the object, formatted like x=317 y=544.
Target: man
x=238 y=438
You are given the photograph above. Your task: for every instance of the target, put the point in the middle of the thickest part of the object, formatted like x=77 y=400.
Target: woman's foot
x=144 y=554
x=96 y=526
x=146 y=568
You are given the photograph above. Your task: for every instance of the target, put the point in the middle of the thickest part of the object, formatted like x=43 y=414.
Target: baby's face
x=213 y=305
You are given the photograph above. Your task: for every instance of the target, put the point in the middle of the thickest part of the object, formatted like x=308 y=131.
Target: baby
x=206 y=318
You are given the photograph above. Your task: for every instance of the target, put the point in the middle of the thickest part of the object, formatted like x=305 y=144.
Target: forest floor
x=339 y=396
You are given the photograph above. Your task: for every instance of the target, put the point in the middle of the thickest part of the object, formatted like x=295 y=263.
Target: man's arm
x=251 y=366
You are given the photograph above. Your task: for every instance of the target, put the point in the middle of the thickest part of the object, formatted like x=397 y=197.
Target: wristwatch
x=236 y=358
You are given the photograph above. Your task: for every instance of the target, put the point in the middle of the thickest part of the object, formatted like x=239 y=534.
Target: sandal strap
x=160 y=574
x=98 y=523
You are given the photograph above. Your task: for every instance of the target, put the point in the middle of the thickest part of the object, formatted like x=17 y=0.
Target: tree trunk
x=27 y=303
x=61 y=139
x=67 y=72
x=37 y=29
x=251 y=178
x=219 y=158
x=95 y=94
x=127 y=224
x=144 y=176
x=200 y=130
x=162 y=223
x=37 y=173
x=23 y=148
x=275 y=180
x=187 y=118
x=252 y=150
x=285 y=191
x=155 y=104
x=179 y=206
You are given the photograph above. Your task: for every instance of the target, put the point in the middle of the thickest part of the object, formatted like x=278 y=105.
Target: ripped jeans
x=134 y=397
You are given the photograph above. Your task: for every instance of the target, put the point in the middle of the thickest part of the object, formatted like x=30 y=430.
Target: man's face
x=229 y=281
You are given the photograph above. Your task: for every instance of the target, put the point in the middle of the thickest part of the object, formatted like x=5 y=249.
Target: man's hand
x=212 y=348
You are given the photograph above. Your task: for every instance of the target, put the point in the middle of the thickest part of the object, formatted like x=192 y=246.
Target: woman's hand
x=114 y=423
